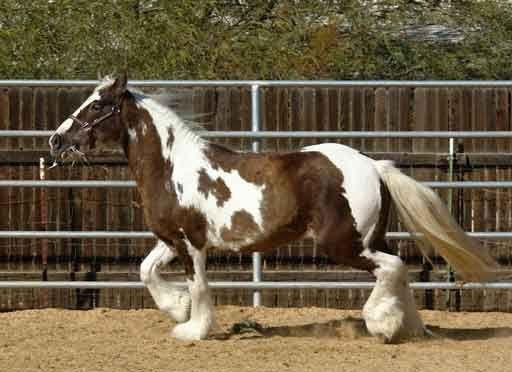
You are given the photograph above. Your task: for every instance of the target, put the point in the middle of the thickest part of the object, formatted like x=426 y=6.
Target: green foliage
x=258 y=39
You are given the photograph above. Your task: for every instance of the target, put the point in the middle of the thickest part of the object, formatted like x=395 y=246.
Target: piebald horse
x=199 y=196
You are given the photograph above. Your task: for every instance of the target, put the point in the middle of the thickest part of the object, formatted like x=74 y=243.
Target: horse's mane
x=174 y=101
x=179 y=103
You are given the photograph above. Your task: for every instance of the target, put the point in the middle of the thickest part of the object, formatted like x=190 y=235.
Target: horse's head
x=96 y=121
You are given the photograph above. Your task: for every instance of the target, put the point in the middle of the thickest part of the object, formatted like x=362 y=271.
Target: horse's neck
x=160 y=144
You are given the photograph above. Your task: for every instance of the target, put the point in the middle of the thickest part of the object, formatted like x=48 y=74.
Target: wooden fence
x=286 y=109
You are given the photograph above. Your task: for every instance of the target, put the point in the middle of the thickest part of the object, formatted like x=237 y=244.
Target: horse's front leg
x=170 y=299
x=202 y=317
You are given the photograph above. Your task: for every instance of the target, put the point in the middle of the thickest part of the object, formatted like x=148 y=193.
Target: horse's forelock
x=105 y=83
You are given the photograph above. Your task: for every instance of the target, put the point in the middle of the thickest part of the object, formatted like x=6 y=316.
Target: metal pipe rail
x=496 y=235
x=268 y=83
x=250 y=285
x=129 y=184
x=308 y=134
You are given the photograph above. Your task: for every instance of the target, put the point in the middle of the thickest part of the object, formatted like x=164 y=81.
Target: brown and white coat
x=199 y=196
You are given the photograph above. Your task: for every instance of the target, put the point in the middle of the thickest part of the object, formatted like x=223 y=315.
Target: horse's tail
x=426 y=217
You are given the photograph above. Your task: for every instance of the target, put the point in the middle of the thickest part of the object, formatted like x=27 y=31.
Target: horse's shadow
x=355 y=328
x=469 y=334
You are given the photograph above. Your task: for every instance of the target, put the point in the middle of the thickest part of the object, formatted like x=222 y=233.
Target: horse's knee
x=161 y=255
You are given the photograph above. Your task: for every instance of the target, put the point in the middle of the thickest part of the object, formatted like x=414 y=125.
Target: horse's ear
x=119 y=86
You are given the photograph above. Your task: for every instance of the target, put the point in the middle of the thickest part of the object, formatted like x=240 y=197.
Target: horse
x=198 y=196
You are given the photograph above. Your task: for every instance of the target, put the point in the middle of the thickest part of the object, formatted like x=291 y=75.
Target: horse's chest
x=171 y=221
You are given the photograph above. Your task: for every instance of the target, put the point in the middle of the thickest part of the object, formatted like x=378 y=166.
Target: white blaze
x=66 y=124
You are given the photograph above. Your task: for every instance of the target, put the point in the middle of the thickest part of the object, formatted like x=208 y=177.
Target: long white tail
x=425 y=215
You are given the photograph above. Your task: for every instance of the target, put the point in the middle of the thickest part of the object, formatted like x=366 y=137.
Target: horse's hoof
x=189 y=331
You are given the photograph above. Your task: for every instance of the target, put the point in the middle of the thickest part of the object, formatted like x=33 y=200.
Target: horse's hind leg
x=168 y=298
x=390 y=311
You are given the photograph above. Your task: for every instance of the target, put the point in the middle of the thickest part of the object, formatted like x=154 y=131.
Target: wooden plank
x=334 y=111
x=404 y=117
x=5 y=173
x=430 y=118
x=501 y=252
x=466 y=116
x=393 y=123
x=489 y=208
x=5 y=115
x=296 y=102
x=356 y=111
x=491 y=118
x=503 y=118
x=380 y=117
x=478 y=116
x=308 y=115
x=344 y=114
x=322 y=112
x=270 y=117
x=235 y=122
x=284 y=111
x=368 y=117
x=405 y=159
x=222 y=110
x=27 y=246
x=442 y=119
x=420 y=118
x=15 y=195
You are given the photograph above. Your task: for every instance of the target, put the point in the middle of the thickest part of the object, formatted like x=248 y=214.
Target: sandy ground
x=308 y=339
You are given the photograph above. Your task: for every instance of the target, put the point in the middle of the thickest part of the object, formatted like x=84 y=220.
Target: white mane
x=186 y=140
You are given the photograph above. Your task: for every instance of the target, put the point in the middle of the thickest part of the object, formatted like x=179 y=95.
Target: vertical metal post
x=44 y=242
x=450 y=277
x=255 y=127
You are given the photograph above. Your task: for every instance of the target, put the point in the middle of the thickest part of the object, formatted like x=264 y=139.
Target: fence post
x=450 y=274
x=44 y=242
x=255 y=127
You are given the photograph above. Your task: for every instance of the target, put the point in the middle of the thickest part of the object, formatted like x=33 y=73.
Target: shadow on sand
x=353 y=328
x=467 y=334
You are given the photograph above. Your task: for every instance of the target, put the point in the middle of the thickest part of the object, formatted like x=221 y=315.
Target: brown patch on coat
x=303 y=193
x=217 y=188
x=243 y=226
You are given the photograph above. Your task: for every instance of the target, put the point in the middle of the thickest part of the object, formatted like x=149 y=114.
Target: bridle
x=116 y=109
